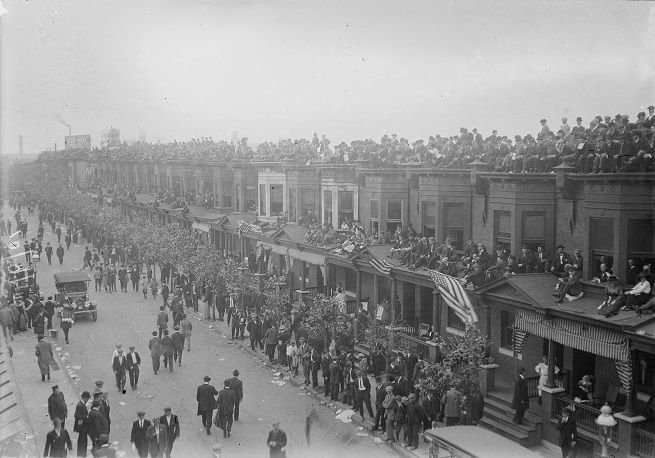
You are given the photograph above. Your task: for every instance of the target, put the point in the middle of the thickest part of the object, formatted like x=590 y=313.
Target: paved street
x=127 y=318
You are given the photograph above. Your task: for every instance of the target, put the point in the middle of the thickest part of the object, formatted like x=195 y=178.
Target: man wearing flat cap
x=82 y=423
x=133 y=363
x=98 y=427
x=206 y=397
x=277 y=441
x=57 y=406
x=139 y=437
x=172 y=425
x=178 y=344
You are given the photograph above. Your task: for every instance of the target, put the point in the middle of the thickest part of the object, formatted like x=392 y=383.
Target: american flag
x=455 y=296
x=245 y=226
x=381 y=266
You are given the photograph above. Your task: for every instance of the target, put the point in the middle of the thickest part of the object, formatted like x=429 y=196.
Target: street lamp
x=605 y=422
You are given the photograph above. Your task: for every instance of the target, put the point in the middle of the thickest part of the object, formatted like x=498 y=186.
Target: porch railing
x=644 y=443
x=414 y=344
x=585 y=415
x=313 y=292
x=351 y=306
x=561 y=381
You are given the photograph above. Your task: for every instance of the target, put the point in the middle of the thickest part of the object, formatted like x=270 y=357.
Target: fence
x=584 y=415
x=561 y=381
x=644 y=444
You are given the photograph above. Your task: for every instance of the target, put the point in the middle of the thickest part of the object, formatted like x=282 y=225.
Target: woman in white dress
x=542 y=370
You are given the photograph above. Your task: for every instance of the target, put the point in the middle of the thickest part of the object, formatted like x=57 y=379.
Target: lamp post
x=605 y=422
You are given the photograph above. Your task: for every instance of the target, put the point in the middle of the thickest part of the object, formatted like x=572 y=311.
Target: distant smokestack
x=63 y=121
x=69 y=131
x=55 y=147
x=20 y=144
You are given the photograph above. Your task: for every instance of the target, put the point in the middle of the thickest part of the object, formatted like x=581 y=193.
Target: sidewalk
x=34 y=393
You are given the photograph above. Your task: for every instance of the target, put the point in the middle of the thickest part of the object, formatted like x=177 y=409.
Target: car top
x=68 y=277
x=478 y=442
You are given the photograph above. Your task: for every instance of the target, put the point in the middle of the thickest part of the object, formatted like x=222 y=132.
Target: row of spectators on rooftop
x=605 y=144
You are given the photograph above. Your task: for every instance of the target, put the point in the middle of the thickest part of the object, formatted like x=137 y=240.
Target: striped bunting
x=581 y=336
x=624 y=369
x=453 y=292
x=380 y=265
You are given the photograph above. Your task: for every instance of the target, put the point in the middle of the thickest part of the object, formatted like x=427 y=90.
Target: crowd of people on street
x=603 y=145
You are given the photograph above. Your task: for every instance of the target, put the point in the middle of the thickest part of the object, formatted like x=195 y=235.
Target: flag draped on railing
x=245 y=226
x=455 y=296
x=381 y=266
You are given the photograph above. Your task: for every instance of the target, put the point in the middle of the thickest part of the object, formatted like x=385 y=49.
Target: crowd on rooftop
x=603 y=145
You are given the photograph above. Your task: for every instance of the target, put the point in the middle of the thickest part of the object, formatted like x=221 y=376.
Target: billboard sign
x=77 y=141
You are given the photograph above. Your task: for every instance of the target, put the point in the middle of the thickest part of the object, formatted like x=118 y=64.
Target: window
x=507 y=329
x=251 y=197
x=308 y=201
x=375 y=215
x=454 y=223
x=601 y=242
x=277 y=200
x=291 y=205
x=226 y=193
x=237 y=192
x=327 y=207
x=503 y=229
x=454 y=321
x=429 y=219
x=346 y=206
x=262 y=199
x=394 y=215
x=641 y=237
x=533 y=230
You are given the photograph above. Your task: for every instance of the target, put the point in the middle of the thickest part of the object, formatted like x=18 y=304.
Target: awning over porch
x=581 y=336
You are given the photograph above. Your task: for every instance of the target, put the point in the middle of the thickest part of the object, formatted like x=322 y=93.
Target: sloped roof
x=292 y=233
x=234 y=219
x=536 y=290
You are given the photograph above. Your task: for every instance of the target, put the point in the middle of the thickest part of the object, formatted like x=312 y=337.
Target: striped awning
x=624 y=369
x=520 y=337
x=581 y=336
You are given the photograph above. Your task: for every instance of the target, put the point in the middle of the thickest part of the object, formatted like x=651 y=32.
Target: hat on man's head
x=132 y=347
x=86 y=395
x=167 y=409
x=154 y=333
x=54 y=387
x=411 y=396
x=96 y=403
x=206 y=378
x=235 y=372
x=559 y=246
x=176 y=328
x=389 y=389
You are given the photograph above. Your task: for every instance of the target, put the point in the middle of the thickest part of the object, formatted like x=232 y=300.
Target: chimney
x=69 y=131
x=20 y=144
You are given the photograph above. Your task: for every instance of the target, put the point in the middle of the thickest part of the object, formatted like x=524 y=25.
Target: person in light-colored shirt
x=639 y=294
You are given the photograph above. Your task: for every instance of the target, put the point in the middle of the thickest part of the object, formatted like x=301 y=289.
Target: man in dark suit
x=363 y=394
x=167 y=350
x=98 y=427
x=380 y=393
x=541 y=261
x=81 y=424
x=172 y=425
x=525 y=260
x=431 y=406
x=334 y=379
x=205 y=395
x=236 y=386
x=226 y=400
x=569 y=287
x=277 y=441
x=133 y=362
x=520 y=400
x=57 y=406
x=568 y=433
x=178 y=345
x=560 y=260
x=155 y=351
x=138 y=437
x=119 y=367
x=57 y=440
x=162 y=320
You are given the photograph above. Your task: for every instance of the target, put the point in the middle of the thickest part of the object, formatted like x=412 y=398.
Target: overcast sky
x=350 y=69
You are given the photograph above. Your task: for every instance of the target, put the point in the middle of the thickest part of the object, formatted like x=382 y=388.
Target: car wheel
x=94 y=317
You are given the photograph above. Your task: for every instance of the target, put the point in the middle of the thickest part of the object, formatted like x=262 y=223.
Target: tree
x=462 y=357
x=323 y=321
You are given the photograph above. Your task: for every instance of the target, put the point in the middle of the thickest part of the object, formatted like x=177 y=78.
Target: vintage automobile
x=72 y=288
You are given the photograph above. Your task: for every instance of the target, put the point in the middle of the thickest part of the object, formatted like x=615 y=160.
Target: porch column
x=358 y=286
x=436 y=326
x=376 y=299
x=394 y=292
x=417 y=304
x=303 y=280
x=630 y=410
x=550 y=383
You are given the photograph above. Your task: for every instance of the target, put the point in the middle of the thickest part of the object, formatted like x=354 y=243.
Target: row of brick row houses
x=610 y=215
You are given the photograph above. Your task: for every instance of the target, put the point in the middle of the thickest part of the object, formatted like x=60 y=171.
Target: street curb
x=356 y=419
x=28 y=444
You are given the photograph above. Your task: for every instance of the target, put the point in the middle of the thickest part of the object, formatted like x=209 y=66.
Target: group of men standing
x=226 y=402
x=171 y=347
